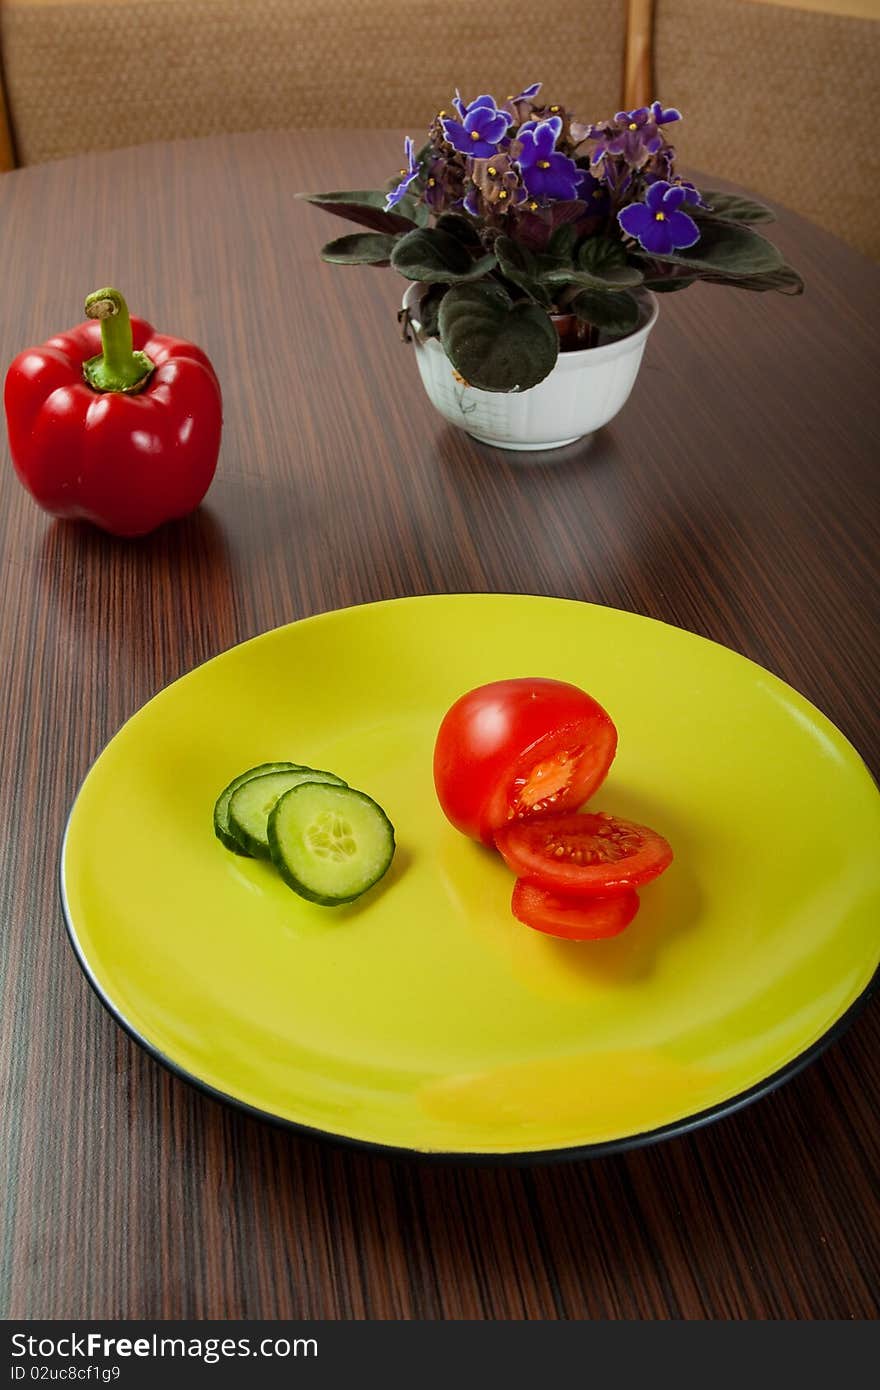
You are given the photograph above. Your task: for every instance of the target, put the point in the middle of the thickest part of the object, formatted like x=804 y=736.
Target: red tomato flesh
x=584 y=854
x=520 y=749
x=575 y=919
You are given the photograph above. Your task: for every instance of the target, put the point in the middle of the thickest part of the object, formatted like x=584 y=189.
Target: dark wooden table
x=734 y=496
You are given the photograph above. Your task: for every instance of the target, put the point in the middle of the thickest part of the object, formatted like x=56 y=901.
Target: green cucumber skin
x=293 y=882
x=254 y=848
x=222 y=828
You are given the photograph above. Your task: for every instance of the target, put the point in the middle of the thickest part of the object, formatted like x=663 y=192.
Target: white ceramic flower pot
x=583 y=392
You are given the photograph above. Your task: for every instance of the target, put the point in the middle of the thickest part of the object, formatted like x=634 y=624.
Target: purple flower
x=407 y=175
x=638 y=118
x=691 y=192
x=463 y=108
x=637 y=136
x=618 y=176
x=435 y=191
x=472 y=202
x=658 y=224
x=519 y=108
x=660 y=166
x=633 y=135
x=594 y=193
x=481 y=128
x=614 y=143
x=663 y=115
x=645 y=117
x=546 y=174
x=498 y=182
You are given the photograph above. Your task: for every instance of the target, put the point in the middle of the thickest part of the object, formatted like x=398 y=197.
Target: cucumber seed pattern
x=331 y=837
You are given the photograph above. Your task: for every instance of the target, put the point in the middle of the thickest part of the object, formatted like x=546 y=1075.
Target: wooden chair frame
x=7 y=150
x=638 y=63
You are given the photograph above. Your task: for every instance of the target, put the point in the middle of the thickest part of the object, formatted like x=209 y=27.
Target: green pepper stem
x=117 y=367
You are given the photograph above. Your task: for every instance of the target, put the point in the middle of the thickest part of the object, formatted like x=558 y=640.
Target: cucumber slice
x=329 y=843
x=222 y=828
x=250 y=804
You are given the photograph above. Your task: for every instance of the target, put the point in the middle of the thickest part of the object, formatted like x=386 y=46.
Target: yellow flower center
x=403 y=173
x=492 y=170
x=543 y=163
x=554 y=108
x=475 y=135
x=431 y=183
x=533 y=207
x=633 y=126
x=441 y=114
x=659 y=216
x=502 y=194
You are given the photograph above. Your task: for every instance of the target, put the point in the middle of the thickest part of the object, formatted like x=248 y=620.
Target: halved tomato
x=520 y=748
x=584 y=854
x=575 y=919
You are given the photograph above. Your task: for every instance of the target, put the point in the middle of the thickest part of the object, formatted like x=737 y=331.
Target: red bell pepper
x=113 y=422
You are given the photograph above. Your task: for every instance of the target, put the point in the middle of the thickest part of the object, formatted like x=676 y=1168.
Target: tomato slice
x=558 y=773
x=584 y=853
x=575 y=919
x=520 y=748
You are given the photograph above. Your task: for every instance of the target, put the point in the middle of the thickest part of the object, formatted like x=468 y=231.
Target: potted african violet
x=536 y=245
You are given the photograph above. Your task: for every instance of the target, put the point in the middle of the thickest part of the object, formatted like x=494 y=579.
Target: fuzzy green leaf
x=562 y=242
x=600 y=264
x=437 y=257
x=495 y=344
x=786 y=280
x=461 y=228
x=524 y=268
x=731 y=208
x=360 y=248
x=366 y=206
x=667 y=284
x=606 y=260
x=428 y=310
x=727 y=250
x=582 y=278
x=615 y=312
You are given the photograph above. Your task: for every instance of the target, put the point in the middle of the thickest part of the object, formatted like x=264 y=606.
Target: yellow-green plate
x=424 y=1017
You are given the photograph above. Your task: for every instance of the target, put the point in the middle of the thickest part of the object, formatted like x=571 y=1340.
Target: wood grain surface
x=735 y=496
